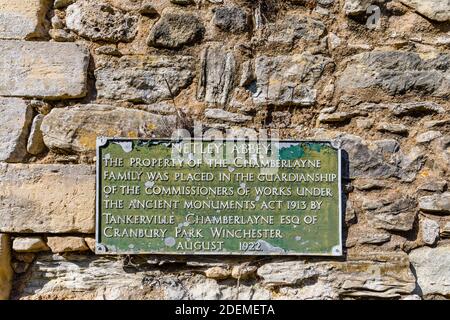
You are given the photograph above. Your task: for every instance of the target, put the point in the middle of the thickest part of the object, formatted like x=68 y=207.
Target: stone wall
x=71 y=70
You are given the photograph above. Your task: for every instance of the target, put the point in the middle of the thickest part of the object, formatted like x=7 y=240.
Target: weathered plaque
x=230 y=197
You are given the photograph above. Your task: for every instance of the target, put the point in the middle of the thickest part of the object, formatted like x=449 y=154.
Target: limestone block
x=66 y=244
x=47 y=198
x=77 y=128
x=432 y=269
x=15 y=119
x=29 y=244
x=143 y=78
x=20 y=19
x=50 y=70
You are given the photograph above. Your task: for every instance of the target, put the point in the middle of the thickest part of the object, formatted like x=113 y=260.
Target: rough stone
x=435 y=204
x=218 y=273
x=231 y=19
x=428 y=136
x=16 y=117
x=100 y=21
x=6 y=272
x=356 y=7
x=395 y=73
x=243 y=272
x=74 y=276
x=433 y=186
x=217 y=75
x=399 y=129
x=288 y=80
x=364 y=162
x=431 y=266
x=22 y=19
x=370 y=275
x=143 y=79
x=376 y=238
x=29 y=244
x=77 y=128
x=293 y=28
x=219 y=114
x=50 y=70
x=338 y=116
x=387 y=145
x=430 y=231
x=415 y=108
x=47 y=198
x=35 y=143
x=174 y=30
x=393 y=212
x=61 y=35
x=432 y=9
x=66 y=244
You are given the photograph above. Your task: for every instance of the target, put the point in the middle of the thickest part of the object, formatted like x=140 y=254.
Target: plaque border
x=337 y=251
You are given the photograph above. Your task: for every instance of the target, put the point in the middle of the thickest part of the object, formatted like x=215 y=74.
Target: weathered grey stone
x=29 y=244
x=22 y=19
x=428 y=136
x=16 y=117
x=35 y=143
x=47 y=198
x=364 y=162
x=219 y=114
x=399 y=129
x=85 y=277
x=143 y=78
x=175 y=29
x=76 y=128
x=66 y=244
x=231 y=19
x=369 y=184
x=375 y=238
x=292 y=28
x=410 y=164
x=6 y=272
x=387 y=145
x=369 y=275
x=395 y=73
x=50 y=70
x=430 y=231
x=431 y=266
x=414 y=108
x=434 y=9
x=433 y=186
x=288 y=80
x=436 y=204
x=436 y=123
x=101 y=21
x=394 y=212
x=216 y=76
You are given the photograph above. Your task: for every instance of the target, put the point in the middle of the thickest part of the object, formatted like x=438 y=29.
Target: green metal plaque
x=226 y=197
